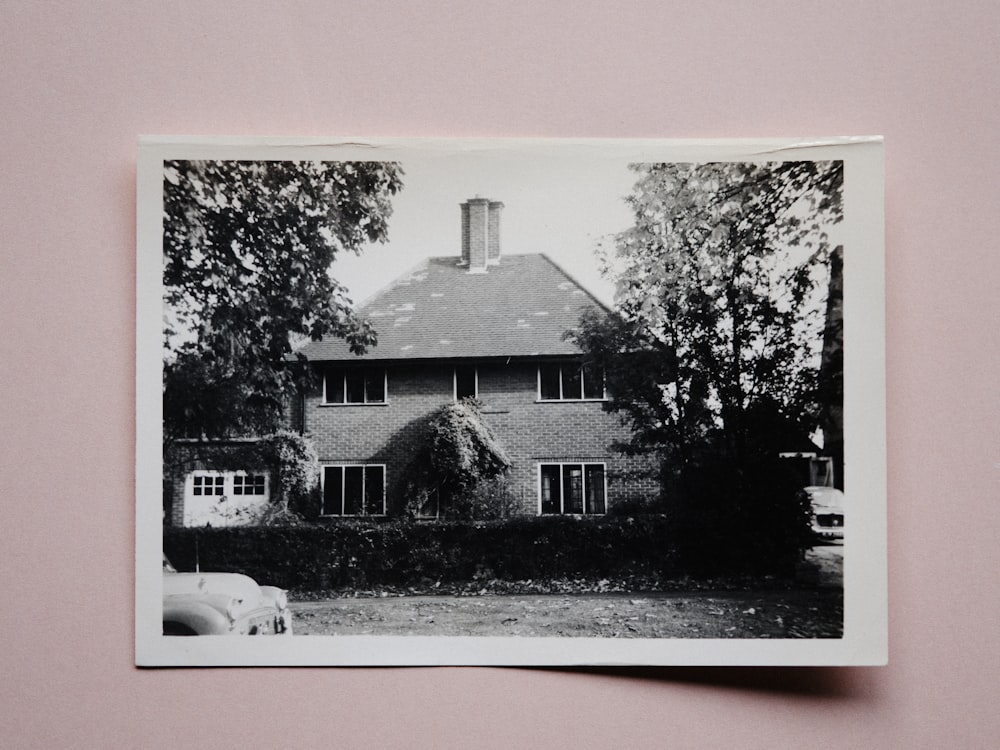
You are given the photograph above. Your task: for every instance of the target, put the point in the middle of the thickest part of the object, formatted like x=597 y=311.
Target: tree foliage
x=247 y=249
x=713 y=356
x=462 y=464
x=719 y=299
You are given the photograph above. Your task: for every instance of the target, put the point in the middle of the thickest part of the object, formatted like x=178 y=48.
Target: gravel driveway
x=778 y=614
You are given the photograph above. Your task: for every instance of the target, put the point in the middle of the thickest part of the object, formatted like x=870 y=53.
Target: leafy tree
x=247 y=249
x=719 y=301
x=714 y=354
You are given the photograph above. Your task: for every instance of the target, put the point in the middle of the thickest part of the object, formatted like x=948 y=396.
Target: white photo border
x=865 y=636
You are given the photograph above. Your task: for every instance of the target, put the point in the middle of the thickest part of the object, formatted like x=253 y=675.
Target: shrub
x=367 y=553
x=462 y=466
x=731 y=520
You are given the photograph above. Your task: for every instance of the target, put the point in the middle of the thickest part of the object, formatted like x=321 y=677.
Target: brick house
x=479 y=324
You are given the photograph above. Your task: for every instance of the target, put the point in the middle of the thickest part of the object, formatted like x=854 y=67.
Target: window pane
x=219 y=485
x=375 y=386
x=353 y=485
x=572 y=383
x=334 y=385
x=465 y=382
x=374 y=486
x=429 y=505
x=355 y=387
x=332 y=491
x=550 y=488
x=595 y=488
x=593 y=382
x=572 y=488
x=238 y=484
x=549 y=381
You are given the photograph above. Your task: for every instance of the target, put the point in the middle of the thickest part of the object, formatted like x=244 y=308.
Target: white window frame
x=454 y=381
x=562 y=486
x=385 y=390
x=229 y=482
x=343 y=480
x=562 y=398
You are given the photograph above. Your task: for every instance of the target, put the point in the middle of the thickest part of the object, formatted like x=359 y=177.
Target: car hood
x=232 y=584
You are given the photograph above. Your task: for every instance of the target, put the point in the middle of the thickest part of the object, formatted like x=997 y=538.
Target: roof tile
x=520 y=307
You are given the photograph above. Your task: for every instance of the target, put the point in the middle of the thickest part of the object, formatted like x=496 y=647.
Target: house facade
x=476 y=324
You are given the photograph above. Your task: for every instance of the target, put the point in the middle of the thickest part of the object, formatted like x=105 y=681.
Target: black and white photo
x=510 y=402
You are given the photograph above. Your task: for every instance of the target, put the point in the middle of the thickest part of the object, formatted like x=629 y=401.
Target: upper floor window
x=354 y=385
x=466 y=382
x=570 y=382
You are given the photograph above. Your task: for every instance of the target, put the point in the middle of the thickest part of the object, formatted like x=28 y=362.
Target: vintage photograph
x=509 y=402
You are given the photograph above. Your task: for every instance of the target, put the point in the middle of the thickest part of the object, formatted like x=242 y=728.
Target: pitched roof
x=520 y=307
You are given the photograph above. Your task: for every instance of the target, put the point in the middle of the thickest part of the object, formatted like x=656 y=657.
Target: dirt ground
x=813 y=610
x=779 y=614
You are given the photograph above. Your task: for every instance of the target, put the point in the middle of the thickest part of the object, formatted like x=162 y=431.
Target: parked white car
x=221 y=604
x=827 y=512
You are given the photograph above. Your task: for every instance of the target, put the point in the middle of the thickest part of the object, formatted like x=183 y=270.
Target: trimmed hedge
x=369 y=553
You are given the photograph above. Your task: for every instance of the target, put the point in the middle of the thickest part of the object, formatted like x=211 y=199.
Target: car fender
x=202 y=617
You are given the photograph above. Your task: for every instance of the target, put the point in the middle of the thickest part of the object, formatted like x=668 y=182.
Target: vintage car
x=221 y=604
x=827 y=512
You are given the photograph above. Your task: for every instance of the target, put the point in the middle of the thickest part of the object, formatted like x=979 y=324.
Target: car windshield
x=826 y=497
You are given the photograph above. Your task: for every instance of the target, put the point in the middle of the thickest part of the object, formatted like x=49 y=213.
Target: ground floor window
x=224 y=498
x=354 y=490
x=429 y=505
x=572 y=488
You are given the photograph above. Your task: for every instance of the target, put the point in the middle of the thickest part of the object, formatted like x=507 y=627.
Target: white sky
x=557 y=204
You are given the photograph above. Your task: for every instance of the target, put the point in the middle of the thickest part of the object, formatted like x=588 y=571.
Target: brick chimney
x=480 y=233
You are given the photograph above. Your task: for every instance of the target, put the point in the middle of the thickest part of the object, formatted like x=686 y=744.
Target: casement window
x=430 y=505
x=466 y=382
x=354 y=385
x=570 y=382
x=354 y=490
x=567 y=488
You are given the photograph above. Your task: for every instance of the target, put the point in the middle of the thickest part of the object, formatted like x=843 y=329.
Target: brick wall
x=532 y=432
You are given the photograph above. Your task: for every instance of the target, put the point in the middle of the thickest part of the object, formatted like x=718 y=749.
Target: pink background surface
x=78 y=84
